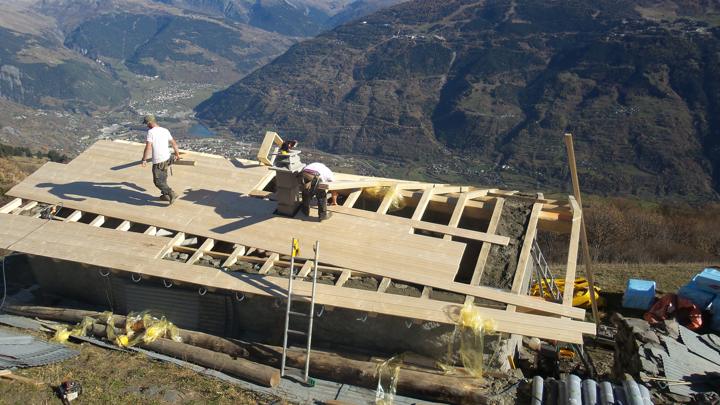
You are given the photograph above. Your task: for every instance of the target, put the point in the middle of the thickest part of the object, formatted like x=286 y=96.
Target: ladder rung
x=297 y=332
x=297 y=313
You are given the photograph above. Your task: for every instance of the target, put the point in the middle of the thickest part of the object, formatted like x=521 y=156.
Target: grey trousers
x=160 y=174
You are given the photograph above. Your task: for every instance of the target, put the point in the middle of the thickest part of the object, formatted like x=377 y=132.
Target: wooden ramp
x=110 y=219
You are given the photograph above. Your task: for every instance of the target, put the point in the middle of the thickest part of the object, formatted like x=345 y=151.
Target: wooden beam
x=426 y=292
x=305 y=269
x=352 y=198
x=28 y=206
x=569 y=293
x=124 y=226
x=384 y=284
x=264 y=181
x=269 y=263
x=175 y=241
x=74 y=216
x=428 y=226
x=151 y=230
x=232 y=259
x=344 y=276
x=583 y=232
x=13 y=204
x=367 y=183
x=98 y=221
x=460 y=207
x=387 y=199
x=207 y=245
x=423 y=204
x=522 y=272
x=485 y=249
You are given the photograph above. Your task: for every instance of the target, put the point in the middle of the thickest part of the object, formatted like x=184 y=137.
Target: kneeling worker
x=314 y=174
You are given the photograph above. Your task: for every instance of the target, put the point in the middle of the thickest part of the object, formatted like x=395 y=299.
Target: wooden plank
x=124 y=226
x=485 y=249
x=352 y=198
x=151 y=230
x=175 y=241
x=370 y=182
x=74 y=216
x=30 y=205
x=269 y=263
x=13 y=204
x=344 y=276
x=98 y=221
x=460 y=207
x=568 y=292
x=239 y=250
x=83 y=248
x=207 y=245
x=426 y=292
x=264 y=181
x=428 y=226
x=423 y=204
x=306 y=268
x=270 y=139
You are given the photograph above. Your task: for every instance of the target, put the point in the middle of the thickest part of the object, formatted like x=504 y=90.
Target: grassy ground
x=112 y=377
x=13 y=169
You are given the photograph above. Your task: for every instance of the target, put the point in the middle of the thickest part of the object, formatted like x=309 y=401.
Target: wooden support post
x=124 y=226
x=175 y=241
x=98 y=221
x=485 y=249
x=233 y=258
x=523 y=271
x=384 y=284
x=583 y=233
x=151 y=230
x=207 y=245
x=30 y=205
x=269 y=263
x=74 y=216
x=352 y=198
x=570 y=272
x=265 y=181
x=344 y=276
x=15 y=203
x=426 y=292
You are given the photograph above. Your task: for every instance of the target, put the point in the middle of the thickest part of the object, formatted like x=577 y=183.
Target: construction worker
x=314 y=174
x=157 y=145
x=287 y=146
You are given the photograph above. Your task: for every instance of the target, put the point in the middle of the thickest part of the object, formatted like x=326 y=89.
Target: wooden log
x=239 y=367
x=331 y=366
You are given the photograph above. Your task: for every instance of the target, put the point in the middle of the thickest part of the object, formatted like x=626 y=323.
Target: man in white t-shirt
x=157 y=144
x=314 y=174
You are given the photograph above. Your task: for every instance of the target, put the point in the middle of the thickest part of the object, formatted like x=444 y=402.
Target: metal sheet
x=20 y=322
x=695 y=345
x=34 y=353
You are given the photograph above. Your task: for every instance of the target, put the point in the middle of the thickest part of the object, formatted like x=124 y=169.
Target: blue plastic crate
x=639 y=294
x=715 y=309
x=698 y=297
x=708 y=280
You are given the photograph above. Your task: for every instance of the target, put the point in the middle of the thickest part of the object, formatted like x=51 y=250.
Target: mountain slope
x=494 y=84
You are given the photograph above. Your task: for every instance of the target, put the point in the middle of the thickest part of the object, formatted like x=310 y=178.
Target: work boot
x=172 y=197
x=163 y=197
x=325 y=215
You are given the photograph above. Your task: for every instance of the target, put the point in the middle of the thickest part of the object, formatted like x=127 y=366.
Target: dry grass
x=113 y=377
x=612 y=277
x=14 y=169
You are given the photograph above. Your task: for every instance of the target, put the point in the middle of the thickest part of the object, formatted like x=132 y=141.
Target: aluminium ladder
x=288 y=311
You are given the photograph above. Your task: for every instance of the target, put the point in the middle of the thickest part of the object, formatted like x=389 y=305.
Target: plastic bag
x=388 y=372
x=63 y=334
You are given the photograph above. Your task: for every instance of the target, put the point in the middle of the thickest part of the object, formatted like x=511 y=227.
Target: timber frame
x=72 y=232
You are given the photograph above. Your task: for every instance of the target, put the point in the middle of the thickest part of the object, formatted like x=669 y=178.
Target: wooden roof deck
x=215 y=202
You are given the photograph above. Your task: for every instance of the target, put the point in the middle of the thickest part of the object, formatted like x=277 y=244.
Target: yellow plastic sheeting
x=470 y=333
x=63 y=334
x=581 y=294
x=146 y=328
x=388 y=372
x=398 y=201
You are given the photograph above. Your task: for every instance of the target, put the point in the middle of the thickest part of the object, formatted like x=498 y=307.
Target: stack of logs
x=259 y=362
